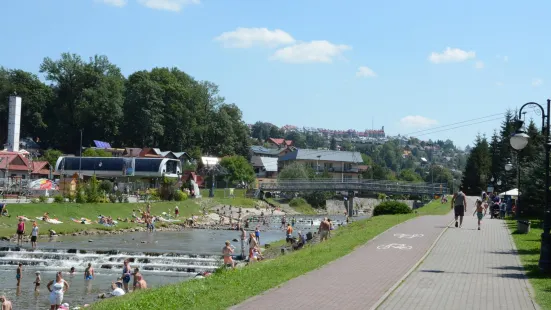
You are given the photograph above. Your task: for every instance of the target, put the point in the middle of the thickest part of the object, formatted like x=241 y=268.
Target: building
x=109 y=167
x=339 y=164
x=376 y=133
x=280 y=143
x=265 y=167
x=14 y=165
x=257 y=150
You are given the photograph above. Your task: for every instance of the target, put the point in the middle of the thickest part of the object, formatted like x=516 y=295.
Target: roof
x=132 y=151
x=257 y=149
x=269 y=163
x=180 y=154
x=325 y=155
x=280 y=141
x=150 y=152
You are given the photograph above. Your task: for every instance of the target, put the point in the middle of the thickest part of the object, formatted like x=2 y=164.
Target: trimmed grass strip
x=230 y=287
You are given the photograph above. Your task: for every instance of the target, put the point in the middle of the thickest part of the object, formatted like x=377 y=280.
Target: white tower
x=14 y=123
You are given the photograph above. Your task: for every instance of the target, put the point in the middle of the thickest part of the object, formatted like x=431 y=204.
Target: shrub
x=70 y=197
x=180 y=196
x=391 y=207
x=59 y=199
x=42 y=198
x=295 y=202
x=93 y=193
x=106 y=186
x=35 y=200
x=112 y=198
x=381 y=196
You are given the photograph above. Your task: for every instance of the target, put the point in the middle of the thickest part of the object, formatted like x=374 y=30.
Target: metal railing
x=395 y=187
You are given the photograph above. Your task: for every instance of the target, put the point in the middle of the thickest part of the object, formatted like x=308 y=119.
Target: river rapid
x=163 y=258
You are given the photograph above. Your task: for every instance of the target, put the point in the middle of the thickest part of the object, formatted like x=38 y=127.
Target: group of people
x=59 y=286
x=21 y=232
x=459 y=204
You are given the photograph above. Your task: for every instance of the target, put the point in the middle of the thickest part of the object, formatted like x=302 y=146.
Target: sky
x=414 y=67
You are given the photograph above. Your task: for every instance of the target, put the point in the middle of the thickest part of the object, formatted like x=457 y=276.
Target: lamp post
x=80 y=157
x=519 y=141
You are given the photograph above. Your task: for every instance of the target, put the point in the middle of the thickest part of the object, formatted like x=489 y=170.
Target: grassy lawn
x=65 y=211
x=434 y=207
x=528 y=246
x=221 y=197
x=230 y=287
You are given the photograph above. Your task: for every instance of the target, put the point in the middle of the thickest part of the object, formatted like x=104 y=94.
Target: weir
x=64 y=259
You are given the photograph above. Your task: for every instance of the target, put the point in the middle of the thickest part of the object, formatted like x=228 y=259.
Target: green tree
x=333 y=144
x=239 y=169
x=88 y=95
x=478 y=168
x=410 y=175
x=51 y=156
x=294 y=171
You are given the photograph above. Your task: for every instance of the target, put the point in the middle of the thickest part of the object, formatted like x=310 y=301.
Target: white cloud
x=310 y=52
x=364 y=71
x=479 y=65
x=249 y=37
x=451 y=55
x=537 y=82
x=118 y=3
x=504 y=58
x=417 y=121
x=168 y=5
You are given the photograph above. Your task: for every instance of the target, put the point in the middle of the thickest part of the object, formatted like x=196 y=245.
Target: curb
x=397 y=284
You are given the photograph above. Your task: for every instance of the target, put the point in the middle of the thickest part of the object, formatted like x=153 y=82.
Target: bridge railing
x=355 y=185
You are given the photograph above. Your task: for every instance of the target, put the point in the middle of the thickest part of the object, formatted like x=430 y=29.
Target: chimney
x=14 y=123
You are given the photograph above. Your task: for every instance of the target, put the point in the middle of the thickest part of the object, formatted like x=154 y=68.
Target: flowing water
x=163 y=258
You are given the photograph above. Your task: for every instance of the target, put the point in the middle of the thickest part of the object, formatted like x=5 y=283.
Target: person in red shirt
x=20 y=231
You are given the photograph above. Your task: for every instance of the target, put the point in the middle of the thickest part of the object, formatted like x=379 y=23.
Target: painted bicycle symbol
x=408 y=236
x=398 y=246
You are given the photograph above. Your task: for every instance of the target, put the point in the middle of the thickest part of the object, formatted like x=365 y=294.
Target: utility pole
x=80 y=157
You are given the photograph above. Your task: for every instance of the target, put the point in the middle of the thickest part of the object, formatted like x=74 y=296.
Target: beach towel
x=53 y=221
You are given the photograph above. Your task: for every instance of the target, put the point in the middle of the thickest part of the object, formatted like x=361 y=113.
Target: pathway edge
x=397 y=284
x=529 y=286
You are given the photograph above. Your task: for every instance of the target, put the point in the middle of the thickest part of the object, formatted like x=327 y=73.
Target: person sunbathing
x=46 y=216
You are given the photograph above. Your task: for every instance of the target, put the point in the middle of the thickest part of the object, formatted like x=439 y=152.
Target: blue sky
x=405 y=65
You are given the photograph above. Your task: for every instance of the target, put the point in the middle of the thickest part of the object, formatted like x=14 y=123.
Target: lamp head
x=519 y=140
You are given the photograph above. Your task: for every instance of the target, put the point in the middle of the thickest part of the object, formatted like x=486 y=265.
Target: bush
x=35 y=200
x=70 y=197
x=391 y=207
x=93 y=193
x=180 y=196
x=42 y=198
x=112 y=198
x=59 y=199
x=106 y=186
x=295 y=202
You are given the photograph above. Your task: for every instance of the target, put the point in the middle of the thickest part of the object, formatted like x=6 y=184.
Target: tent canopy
x=511 y=192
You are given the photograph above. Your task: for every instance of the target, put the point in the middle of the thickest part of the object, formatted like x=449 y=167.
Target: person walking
x=479 y=211
x=459 y=204
x=243 y=239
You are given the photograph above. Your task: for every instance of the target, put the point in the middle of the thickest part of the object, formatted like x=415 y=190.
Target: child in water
x=37 y=281
x=479 y=211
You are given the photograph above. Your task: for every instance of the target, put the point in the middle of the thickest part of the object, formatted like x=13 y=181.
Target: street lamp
x=508 y=165
x=519 y=141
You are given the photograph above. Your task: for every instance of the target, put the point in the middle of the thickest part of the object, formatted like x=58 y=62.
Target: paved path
x=467 y=269
x=360 y=279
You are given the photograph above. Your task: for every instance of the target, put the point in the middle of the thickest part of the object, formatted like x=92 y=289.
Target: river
x=163 y=258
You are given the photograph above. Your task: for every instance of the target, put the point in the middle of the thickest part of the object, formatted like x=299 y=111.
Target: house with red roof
x=16 y=165
x=280 y=143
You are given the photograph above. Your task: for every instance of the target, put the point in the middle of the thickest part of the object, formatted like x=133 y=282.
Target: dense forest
x=163 y=107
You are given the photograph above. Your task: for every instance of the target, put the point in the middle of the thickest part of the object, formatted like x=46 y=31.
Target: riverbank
x=65 y=212
x=229 y=287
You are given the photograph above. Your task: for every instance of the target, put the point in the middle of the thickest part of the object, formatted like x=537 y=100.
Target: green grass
x=229 y=287
x=528 y=247
x=305 y=209
x=221 y=198
x=65 y=211
x=434 y=207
